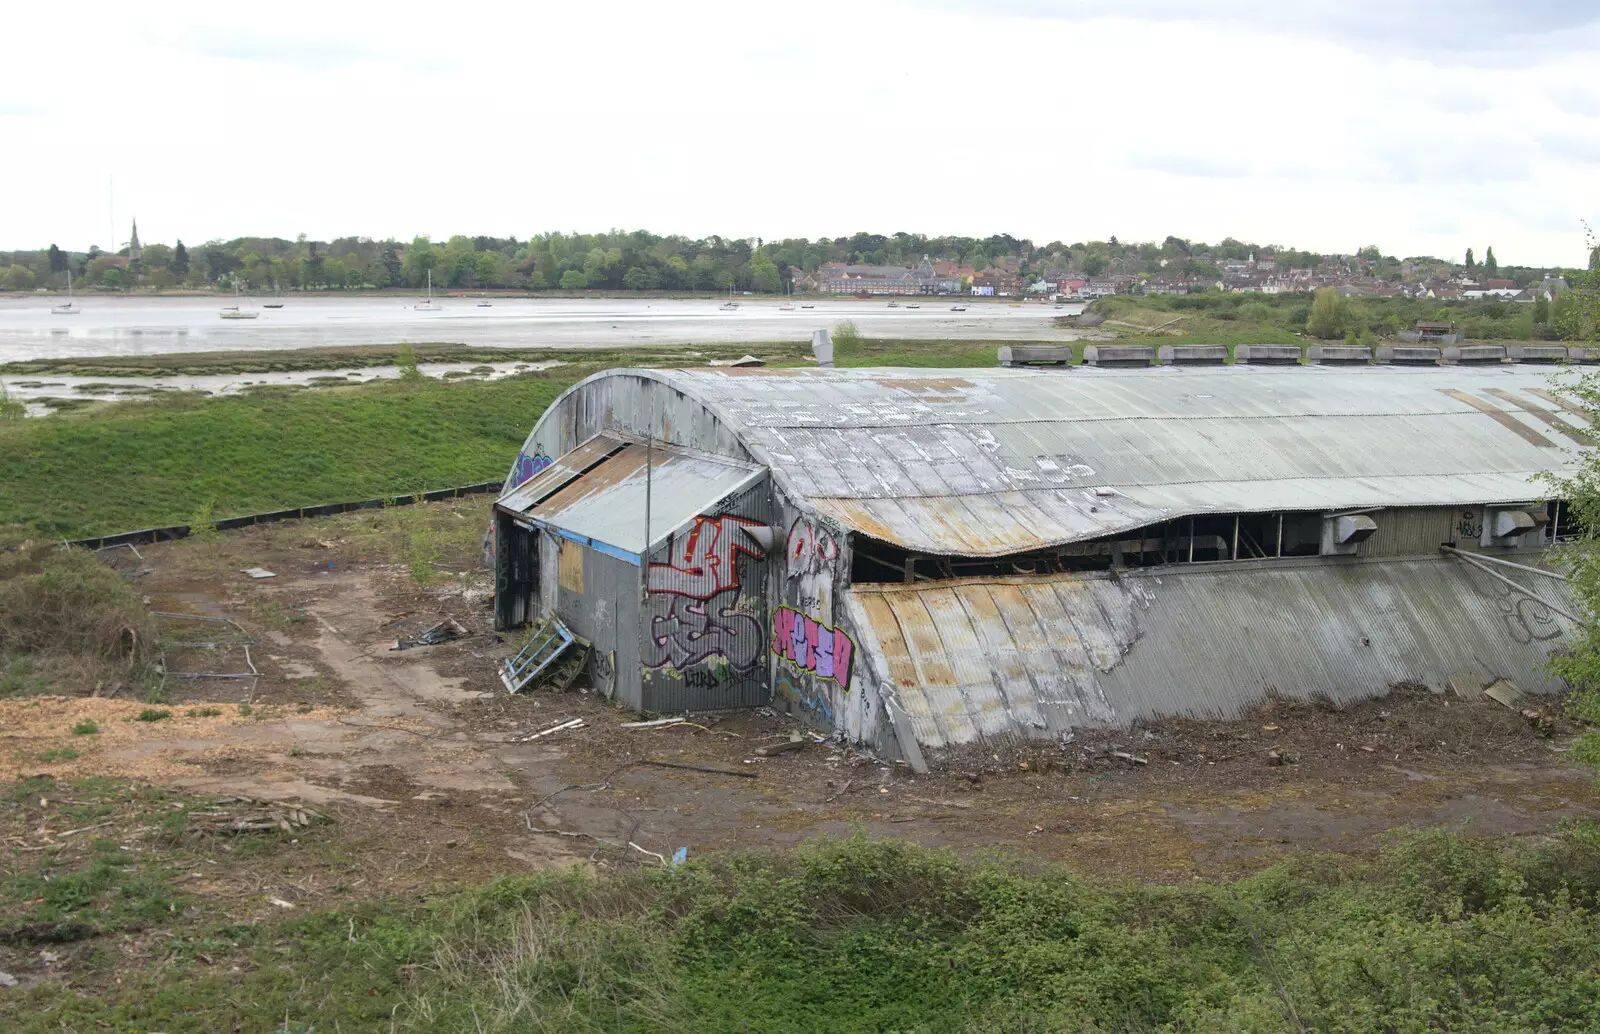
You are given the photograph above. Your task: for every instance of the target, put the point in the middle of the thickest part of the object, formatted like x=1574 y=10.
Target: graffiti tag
x=1526 y=619
x=811 y=550
x=691 y=605
x=527 y=466
x=828 y=653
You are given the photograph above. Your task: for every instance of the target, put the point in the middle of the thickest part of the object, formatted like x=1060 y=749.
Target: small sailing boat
x=234 y=312
x=70 y=306
x=277 y=301
x=428 y=305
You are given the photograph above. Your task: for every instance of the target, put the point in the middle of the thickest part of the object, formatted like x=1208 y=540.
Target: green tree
x=764 y=274
x=574 y=280
x=180 y=260
x=1470 y=262
x=1094 y=265
x=156 y=256
x=1370 y=253
x=19 y=278
x=421 y=259
x=1541 y=308
x=58 y=260
x=1490 y=266
x=1329 y=314
x=637 y=278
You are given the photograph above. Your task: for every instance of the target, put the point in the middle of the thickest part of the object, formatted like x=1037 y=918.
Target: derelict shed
x=919 y=559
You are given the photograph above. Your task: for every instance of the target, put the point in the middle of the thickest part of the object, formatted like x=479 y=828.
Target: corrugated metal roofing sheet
x=597 y=491
x=988 y=659
x=986 y=462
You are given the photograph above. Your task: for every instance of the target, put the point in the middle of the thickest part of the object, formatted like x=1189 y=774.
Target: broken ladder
x=536 y=656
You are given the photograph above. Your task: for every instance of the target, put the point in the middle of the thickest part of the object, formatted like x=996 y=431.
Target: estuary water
x=109 y=325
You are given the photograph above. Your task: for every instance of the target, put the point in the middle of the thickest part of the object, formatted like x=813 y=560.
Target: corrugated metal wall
x=1419 y=531
x=703 y=631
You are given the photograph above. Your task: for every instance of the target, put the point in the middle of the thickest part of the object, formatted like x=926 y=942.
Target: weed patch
x=152 y=714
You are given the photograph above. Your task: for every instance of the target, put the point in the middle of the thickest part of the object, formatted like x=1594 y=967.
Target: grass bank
x=1440 y=932
x=177 y=458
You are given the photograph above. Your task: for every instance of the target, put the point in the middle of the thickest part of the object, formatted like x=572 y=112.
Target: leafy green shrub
x=87 y=727
x=152 y=714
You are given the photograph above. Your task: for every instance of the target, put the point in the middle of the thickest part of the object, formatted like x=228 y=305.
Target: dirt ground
x=424 y=761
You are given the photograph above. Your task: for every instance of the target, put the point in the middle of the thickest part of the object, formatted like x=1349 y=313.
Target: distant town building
x=135 y=249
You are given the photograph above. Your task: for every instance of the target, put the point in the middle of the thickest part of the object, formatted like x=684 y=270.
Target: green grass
x=147 y=464
x=1441 y=932
x=87 y=727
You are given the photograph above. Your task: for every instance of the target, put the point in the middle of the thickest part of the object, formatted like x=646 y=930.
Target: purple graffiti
x=828 y=653
x=690 y=611
x=527 y=466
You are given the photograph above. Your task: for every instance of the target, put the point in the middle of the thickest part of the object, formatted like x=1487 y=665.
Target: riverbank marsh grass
x=1440 y=932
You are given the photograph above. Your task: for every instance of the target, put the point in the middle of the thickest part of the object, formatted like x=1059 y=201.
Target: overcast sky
x=1423 y=127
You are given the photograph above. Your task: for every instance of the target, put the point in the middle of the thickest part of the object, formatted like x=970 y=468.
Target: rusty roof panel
x=987 y=659
x=607 y=502
x=875 y=449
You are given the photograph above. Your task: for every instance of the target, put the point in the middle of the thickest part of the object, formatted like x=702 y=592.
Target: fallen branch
x=652 y=854
x=697 y=768
x=656 y=724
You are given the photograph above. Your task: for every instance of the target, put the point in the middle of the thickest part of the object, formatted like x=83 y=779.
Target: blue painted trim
x=583 y=540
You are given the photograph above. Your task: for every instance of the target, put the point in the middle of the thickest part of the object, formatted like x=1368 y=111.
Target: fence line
x=179 y=531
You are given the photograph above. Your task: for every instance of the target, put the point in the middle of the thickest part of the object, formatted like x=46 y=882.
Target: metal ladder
x=535 y=657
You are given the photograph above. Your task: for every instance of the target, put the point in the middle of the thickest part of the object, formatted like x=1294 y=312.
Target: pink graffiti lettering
x=704 y=558
x=828 y=653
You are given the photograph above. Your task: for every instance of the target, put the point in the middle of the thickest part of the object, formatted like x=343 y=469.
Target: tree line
x=641 y=261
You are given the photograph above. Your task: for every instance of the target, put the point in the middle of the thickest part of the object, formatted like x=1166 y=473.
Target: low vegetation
x=64 y=616
x=1439 y=932
x=1215 y=317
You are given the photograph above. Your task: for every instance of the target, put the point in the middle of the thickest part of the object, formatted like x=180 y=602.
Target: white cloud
x=1325 y=127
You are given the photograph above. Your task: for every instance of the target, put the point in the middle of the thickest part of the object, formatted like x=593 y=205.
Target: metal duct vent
x=1342 y=533
x=1506 y=526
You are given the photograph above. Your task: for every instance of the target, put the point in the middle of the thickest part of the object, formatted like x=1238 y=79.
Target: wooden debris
x=656 y=724
x=1505 y=693
x=1125 y=756
x=774 y=749
x=575 y=723
x=697 y=768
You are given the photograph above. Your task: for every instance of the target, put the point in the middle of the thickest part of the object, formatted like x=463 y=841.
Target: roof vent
x=1278 y=355
x=1342 y=534
x=1035 y=355
x=1339 y=355
x=1193 y=355
x=1410 y=355
x=1119 y=355
x=1475 y=355
x=1506 y=525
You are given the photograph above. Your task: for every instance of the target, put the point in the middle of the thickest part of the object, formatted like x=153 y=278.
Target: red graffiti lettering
x=704 y=557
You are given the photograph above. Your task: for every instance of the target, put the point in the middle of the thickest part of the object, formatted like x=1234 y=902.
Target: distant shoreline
x=407 y=292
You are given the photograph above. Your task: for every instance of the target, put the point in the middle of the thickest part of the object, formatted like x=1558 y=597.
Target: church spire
x=135 y=250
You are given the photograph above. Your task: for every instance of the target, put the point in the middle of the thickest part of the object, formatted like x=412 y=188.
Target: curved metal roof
x=992 y=461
